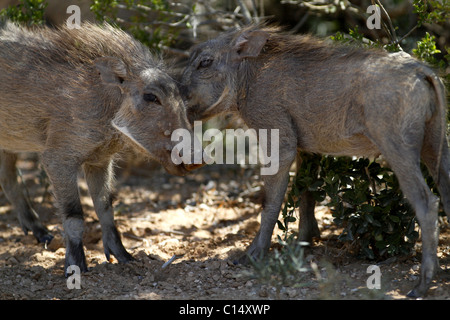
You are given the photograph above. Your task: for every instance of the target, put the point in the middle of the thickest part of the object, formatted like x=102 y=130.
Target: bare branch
x=245 y=12
x=391 y=26
x=255 y=11
x=408 y=33
x=165 y=265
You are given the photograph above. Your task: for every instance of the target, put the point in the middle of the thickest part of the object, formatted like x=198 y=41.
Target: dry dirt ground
x=203 y=220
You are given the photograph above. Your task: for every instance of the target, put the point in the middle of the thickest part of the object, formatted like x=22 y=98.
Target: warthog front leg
x=99 y=180
x=275 y=187
x=62 y=173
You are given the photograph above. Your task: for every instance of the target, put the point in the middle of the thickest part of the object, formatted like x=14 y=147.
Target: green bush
x=365 y=200
x=30 y=12
x=150 y=21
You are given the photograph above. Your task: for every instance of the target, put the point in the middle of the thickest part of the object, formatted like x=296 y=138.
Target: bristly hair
x=282 y=42
x=82 y=46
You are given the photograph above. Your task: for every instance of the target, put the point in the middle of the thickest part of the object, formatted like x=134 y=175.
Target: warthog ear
x=112 y=70
x=249 y=44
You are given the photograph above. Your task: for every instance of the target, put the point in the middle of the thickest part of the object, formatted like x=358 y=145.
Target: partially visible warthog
x=329 y=99
x=78 y=97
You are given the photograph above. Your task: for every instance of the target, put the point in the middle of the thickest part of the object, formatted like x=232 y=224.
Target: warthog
x=329 y=99
x=77 y=97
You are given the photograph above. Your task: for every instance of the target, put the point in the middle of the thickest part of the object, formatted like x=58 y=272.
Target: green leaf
x=394 y=218
x=280 y=225
x=290 y=219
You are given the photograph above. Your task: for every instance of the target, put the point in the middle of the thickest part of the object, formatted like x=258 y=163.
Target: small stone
x=263 y=293
x=291 y=292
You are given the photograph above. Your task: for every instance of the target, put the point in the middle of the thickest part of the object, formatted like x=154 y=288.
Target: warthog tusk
x=222 y=96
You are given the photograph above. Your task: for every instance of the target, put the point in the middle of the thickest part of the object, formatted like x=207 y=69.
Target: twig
x=247 y=15
x=313 y=6
x=134 y=237
x=408 y=33
x=372 y=183
x=148 y=9
x=176 y=24
x=255 y=11
x=300 y=23
x=165 y=265
x=391 y=26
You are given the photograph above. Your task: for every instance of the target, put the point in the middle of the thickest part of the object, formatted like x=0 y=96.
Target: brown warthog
x=77 y=97
x=329 y=99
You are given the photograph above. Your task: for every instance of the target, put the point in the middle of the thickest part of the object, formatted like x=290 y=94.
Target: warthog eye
x=205 y=63
x=150 y=97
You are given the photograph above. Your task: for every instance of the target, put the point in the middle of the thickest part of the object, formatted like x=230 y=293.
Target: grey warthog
x=329 y=99
x=77 y=97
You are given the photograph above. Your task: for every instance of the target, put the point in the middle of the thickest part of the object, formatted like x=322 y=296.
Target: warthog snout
x=187 y=151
